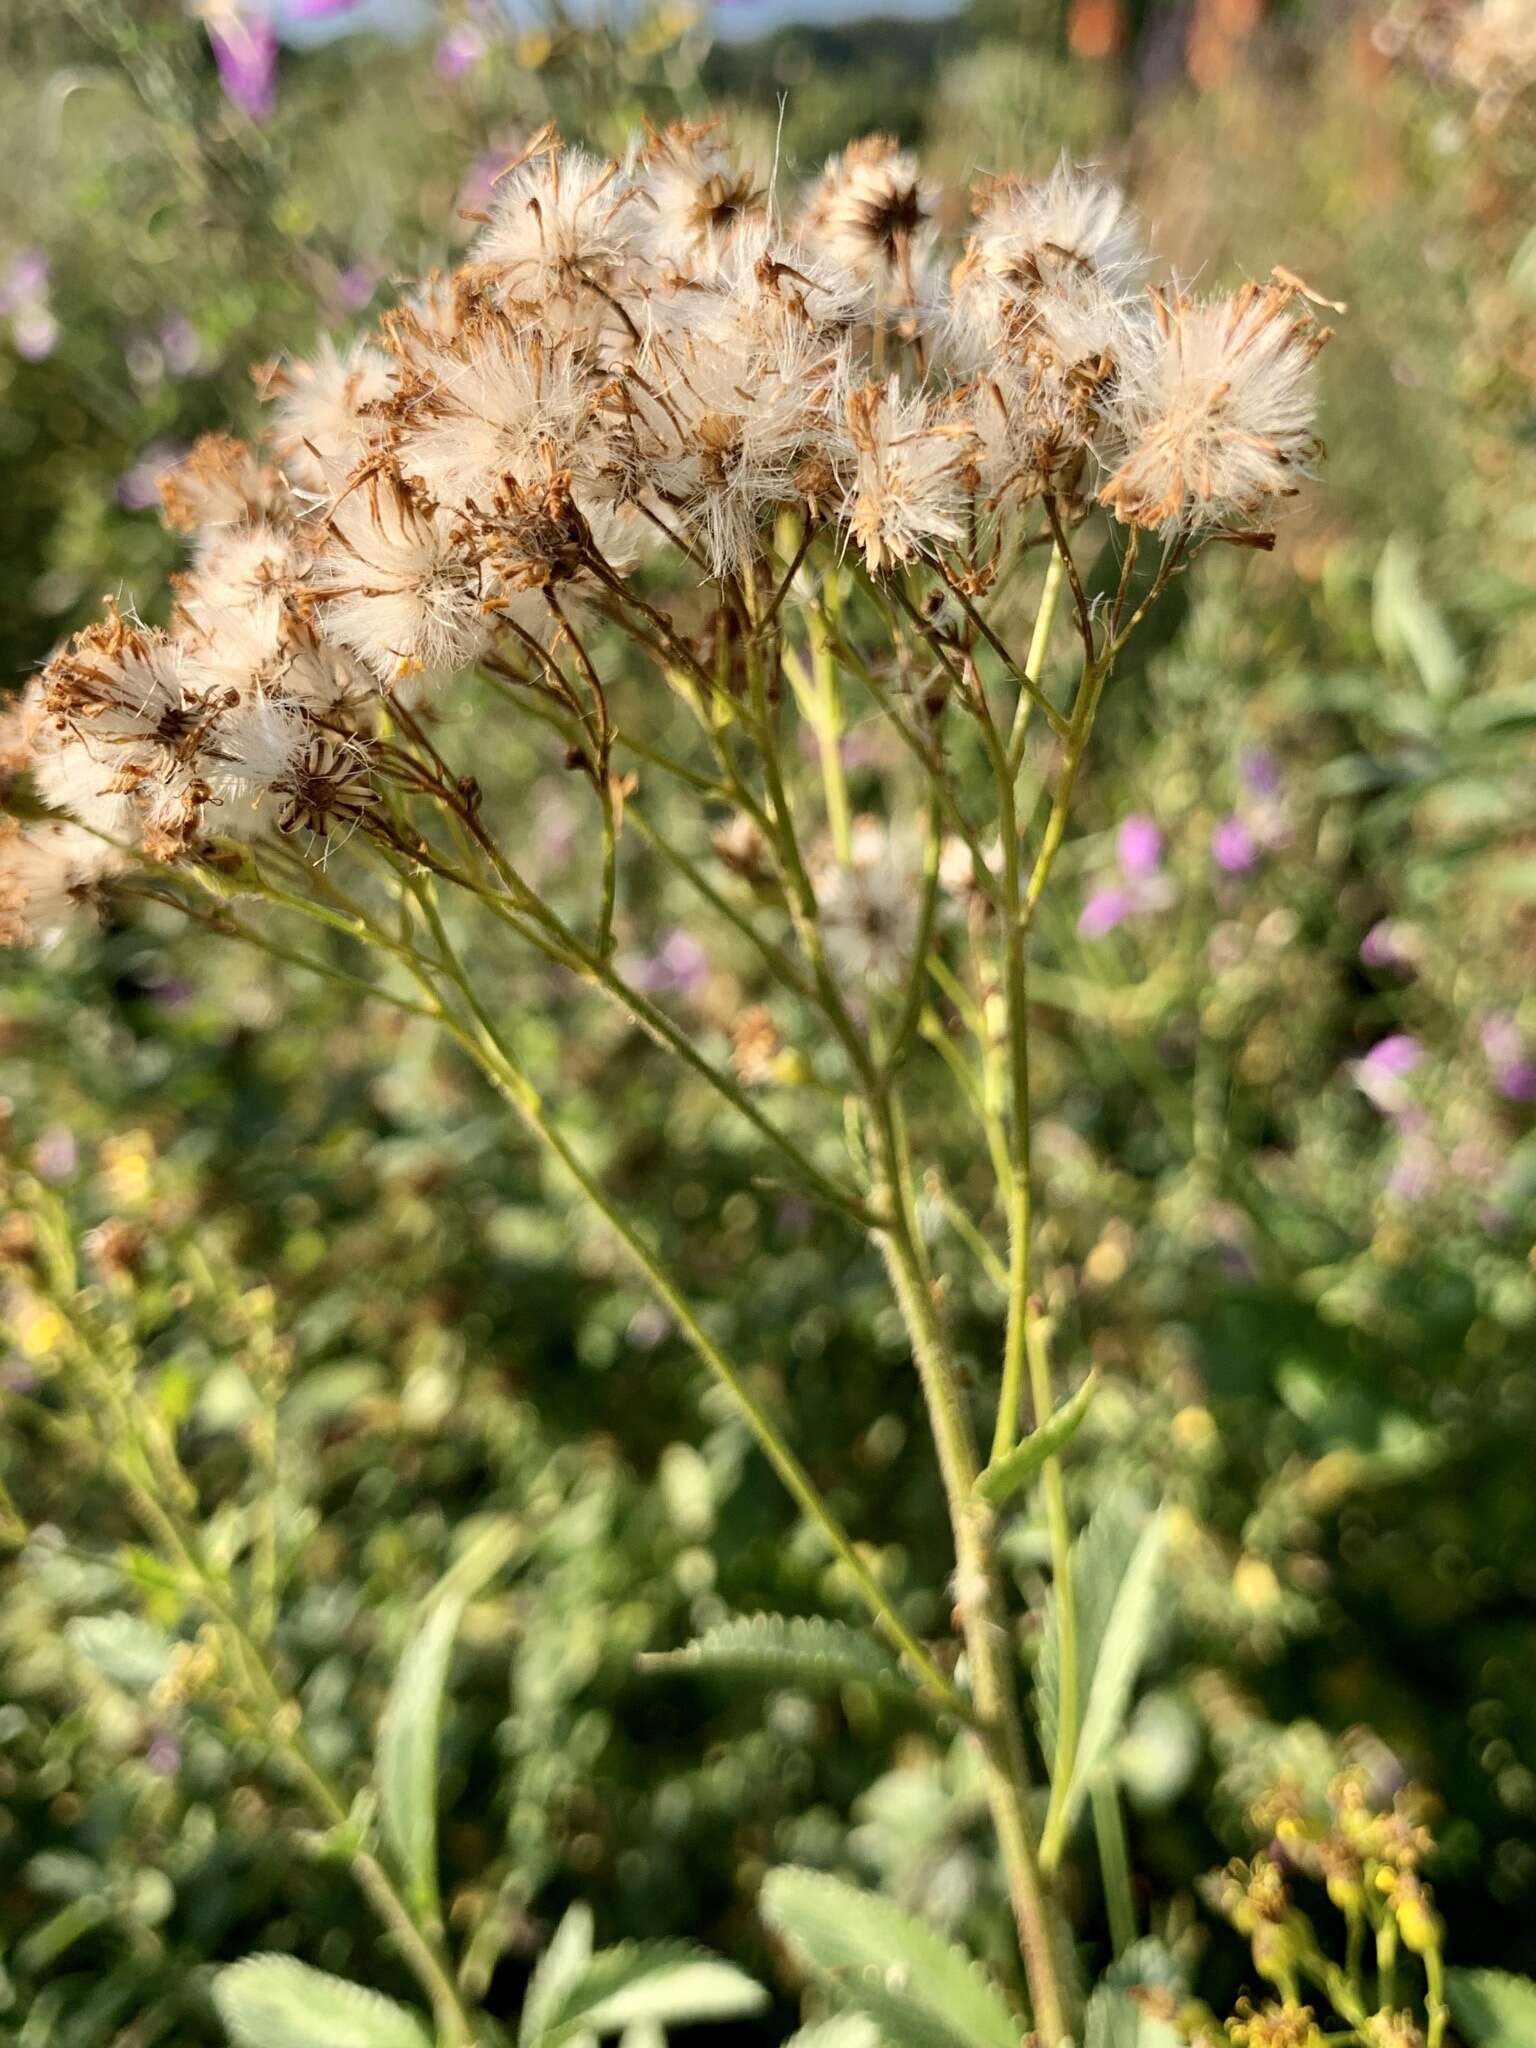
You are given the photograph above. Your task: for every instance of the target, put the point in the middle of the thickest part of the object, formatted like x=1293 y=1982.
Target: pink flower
x=1138 y=855
x=1387 y=945
x=1138 y=847
x=1504 y=1045
x=458 y=51
x=1382 y=1076
x=1232 y=847
x=1105 y=909
x=245 y=50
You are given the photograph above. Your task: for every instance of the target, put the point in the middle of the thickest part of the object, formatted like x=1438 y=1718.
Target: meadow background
x=1288 y=1073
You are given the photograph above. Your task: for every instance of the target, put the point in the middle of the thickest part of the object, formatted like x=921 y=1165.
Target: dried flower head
x=1217 y=410
x=395 y=587
x=907 y=490
x=326 y=411
x=562 y=228
x=222 y=482
x=871 y=211
x=50 y=875
x=700 y=198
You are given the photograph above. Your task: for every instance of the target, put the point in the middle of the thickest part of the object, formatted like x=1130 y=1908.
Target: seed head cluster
x=642 y=363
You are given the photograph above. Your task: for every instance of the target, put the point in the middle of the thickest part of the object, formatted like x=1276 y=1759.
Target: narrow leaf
x=1491 y=2008
x=1115 y=1568
x=788 y=1649
x=277 y=2002
x=405 y=1765
x=556 y=1973
x=646 y=1983
x=1407 y=624
x=1002 y=1480
x=919 y=1990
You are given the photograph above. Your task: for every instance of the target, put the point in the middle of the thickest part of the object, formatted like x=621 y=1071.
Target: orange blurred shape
x=1094 y=28
x=1216 y=35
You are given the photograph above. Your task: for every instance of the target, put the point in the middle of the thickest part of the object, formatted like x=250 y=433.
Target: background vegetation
x=1289 y=1091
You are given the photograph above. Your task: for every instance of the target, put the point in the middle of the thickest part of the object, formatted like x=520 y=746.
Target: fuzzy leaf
x=1408 y=626
x=919 y=1990
x=841 y=2030
x=556 y=1973
x=1115 y=2020
x=645 y=1983
x=405 y=1764
x=1492 y=2008
x=1002 y=1480
x=1115 y=1570
x=277 y=2002
x=788 y=1649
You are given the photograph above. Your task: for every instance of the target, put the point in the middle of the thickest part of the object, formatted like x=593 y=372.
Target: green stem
x=1034 y=661
x=1064 y=1594
x=988 y=1646
x=1435 y=2005
x=1115 y=1864
x=489 y=1049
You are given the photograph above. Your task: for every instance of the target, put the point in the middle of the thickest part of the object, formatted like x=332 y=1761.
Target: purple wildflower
x=55 y=1154
x=1386 y=945
x=1105 y=909
x=1261 y=771
x=26 y=282
x=138 y=487
x=1138 y=847
x=1232 y=847
x=1382 y=1076
x=245 y=50
x=676 y=967
x=457 y=52
x=1508 y=1056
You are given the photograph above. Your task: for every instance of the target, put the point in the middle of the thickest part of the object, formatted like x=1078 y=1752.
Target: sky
x=303 y=23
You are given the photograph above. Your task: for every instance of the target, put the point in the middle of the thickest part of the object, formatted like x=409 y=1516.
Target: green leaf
x=1002 y=1480
x=556 y=1973
x=1408 y=626
x=405 y=1765
x=654 y=1983
x=1114 y=2019
x=1492 y=2008
x=790 y=1649
x=276 y=2002
x=1116 y=1564
x=842 y=2030
x=133 y=1654
x=919 y=1990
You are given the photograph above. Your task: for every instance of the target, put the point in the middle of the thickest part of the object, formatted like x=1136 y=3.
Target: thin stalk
x=1029 y=685
x=1115 y=1864
x=1034 y=661
x=1434 y=2002
x=1084 y=711
x=978 y=1601
x=487 y=1046
x=828 y=725
x=1064 y=1593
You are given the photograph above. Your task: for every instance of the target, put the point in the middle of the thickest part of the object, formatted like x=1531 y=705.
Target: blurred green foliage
x=1307 y=1281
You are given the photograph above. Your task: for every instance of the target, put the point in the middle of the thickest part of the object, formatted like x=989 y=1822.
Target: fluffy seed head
x=906 y=491
x=1217 y=410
